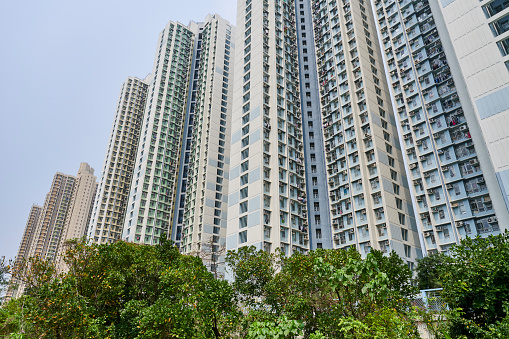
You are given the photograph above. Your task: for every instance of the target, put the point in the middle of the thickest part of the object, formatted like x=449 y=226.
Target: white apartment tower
x=443 y=131
x=267 y=194
x=478 y=35
x=113 y=191
x=370 y=201
x=206 y=204
x=152 y=196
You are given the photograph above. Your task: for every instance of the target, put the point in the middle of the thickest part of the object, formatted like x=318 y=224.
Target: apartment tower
x=452 y=177
x=370 y=201
x=113 y=191
x=28 y=235
x=267 y=195
x=152 y=195
x=64 y=216
x=478 y=35
x=80 y=210
x=206 y=204
x=50 y=225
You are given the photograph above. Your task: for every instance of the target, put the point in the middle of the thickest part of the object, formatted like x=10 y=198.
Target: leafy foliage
x=4 y=272
x=125 y=290
x=428 y=276
x=323 y=290
x=475 y=279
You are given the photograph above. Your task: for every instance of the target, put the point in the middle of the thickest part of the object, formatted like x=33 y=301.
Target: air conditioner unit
x=409 y=151
x=439 y=228
x=449 y=186
x=306 y=236
x=459 y=223
x=418 y=142
x=440 y=151
x=432 y=120
x=445 y=168
x=434 y=209
x=480 y=180
x=415 y=128
x=422 y=158
x=336 y=236
x=427 y=234
x=407 y=136
x=351 y=231
x=436 y=135
x=427 y=174
x=412 y=166
x=474 y=161
x=431 y=191
x=492 y=220
x=454 y=204
x=419 y=198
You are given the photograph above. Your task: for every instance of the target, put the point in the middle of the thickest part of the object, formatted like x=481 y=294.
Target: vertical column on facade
x=320 y=227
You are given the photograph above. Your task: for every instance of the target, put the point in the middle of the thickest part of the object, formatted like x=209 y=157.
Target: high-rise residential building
x=180 y=184
x=50 y=225
x=153 y=191
x=28 y=235
x=369 y=198
x=267 y=193
x=80 y=209
x=206 y=204
x=350 y=164
x=445 y=124
x=64 y=216
x=477 y=34
x=113 y=191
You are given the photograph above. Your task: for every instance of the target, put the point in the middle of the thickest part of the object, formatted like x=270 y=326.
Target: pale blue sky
x=62 y=64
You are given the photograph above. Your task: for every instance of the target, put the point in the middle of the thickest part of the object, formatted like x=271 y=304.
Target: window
x=243 y=237
x=243 y=207
x=399 y=203
x=244 y=179
x=244 y=192
x=394 y=175
x=404 y=234
x=395 y=188
x=401 y=218
x=244 y=166
x=407 y=251
x=244 y=154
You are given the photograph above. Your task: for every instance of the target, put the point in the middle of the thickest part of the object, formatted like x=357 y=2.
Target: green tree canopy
x=475 y=281
x=126 y=290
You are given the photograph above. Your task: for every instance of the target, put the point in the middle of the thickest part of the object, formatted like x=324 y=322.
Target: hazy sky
x=62 y=65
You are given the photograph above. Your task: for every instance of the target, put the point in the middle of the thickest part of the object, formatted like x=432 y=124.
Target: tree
x=4 y=276
x=428 y=271
x=125 y=290
x=474 y=280
x=324 y=289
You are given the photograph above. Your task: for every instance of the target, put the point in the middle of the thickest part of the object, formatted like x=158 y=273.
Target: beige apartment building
x=116 y=176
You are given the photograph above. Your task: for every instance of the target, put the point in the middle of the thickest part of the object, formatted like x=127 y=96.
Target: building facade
x=206 y=204
x=113 y=191
x=28 y=235
x=267 y=195
x=80 y=210
x=452 y=178
x=64 y=216
x=51 y=222
x=478 y=35
x=150 y=206
x=370 y=200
